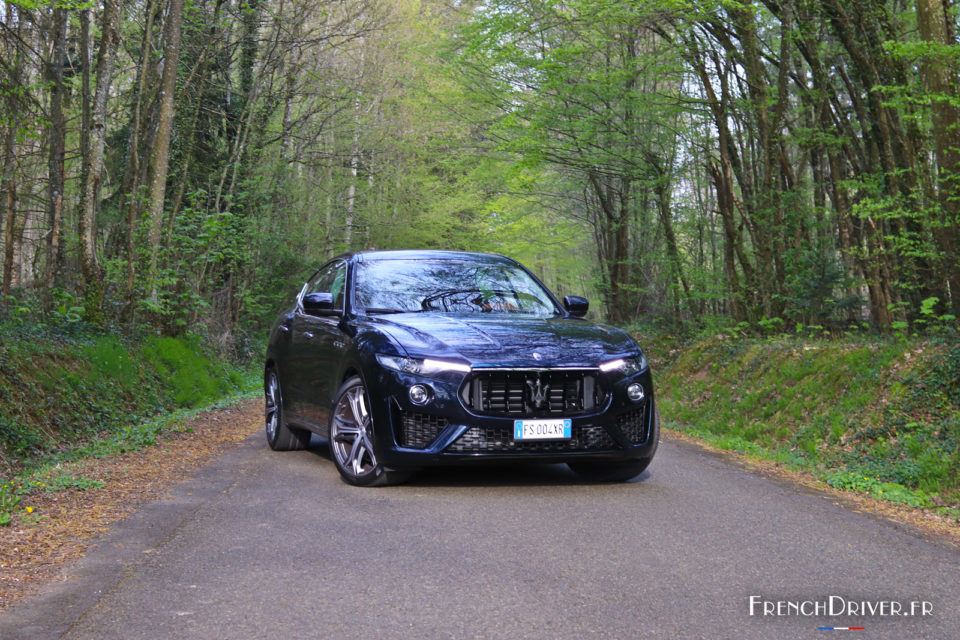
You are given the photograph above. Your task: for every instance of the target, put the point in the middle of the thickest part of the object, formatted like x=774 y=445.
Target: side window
x=330 y=279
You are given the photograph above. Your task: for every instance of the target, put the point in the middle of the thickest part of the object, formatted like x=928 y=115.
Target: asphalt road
x=273 y=545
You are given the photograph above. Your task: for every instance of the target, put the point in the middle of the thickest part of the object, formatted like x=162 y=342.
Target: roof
x=421 y=254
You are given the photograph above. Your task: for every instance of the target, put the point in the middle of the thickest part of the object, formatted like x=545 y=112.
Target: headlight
x=421 y=367
x=625 y=366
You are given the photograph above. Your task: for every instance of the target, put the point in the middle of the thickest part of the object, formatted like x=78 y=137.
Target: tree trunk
x=352 y=188
x=723 y=179
x=56 y=151
x=85 y=62
x=93 y=163
x=10 y=200
x=131 y=176
x=939 y=73
x=613 y=232
x=673 y=249
x=157 y=178
x=8 y=188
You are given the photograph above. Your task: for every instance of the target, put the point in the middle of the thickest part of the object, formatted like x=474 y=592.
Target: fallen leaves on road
x=63 y=523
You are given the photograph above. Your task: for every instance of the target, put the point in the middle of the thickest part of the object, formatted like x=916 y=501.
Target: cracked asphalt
x=272 y=545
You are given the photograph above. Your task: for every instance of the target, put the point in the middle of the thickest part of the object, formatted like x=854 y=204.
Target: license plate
x=559 y=429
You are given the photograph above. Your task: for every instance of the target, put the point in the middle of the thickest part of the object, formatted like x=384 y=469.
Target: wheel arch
x=268 y=365
x=350 y=372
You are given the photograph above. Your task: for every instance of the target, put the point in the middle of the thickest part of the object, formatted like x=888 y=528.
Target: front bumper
x=445 y=432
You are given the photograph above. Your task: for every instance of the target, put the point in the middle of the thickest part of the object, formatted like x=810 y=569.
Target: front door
x=317 y=343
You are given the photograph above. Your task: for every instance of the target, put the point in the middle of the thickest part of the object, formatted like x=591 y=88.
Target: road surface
x=273 y=545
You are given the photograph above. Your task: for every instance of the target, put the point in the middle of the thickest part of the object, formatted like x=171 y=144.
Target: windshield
x=394 y=286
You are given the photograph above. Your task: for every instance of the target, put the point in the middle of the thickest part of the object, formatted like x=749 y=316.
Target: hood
x=507 y=339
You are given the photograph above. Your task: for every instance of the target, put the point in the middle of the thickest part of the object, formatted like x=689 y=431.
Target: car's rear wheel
x=618 y=471
x=280 y=436
x=351 y=439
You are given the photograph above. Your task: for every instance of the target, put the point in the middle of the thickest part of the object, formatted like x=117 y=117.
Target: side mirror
x=319 y=304
x=576 y=306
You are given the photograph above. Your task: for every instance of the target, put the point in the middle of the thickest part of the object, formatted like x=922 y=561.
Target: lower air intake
x=500 y=440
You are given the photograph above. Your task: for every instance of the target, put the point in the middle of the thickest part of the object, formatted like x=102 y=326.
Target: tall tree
x=160 y=153
x=92 y=162
x=576 y=91
x=56 y=145
x=130 y=187
x=939 y=70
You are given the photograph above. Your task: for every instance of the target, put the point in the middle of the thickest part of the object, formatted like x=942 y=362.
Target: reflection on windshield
x=391 y=286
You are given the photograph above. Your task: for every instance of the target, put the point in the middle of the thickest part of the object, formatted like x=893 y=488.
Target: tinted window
x=449 y=285
x=330 y=279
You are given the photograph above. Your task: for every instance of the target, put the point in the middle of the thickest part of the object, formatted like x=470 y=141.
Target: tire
x=351 y=439
x=618 y=471
x=280 y=436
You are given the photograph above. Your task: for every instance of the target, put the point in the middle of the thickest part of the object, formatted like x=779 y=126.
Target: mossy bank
x=60 y=390
x=880 y=416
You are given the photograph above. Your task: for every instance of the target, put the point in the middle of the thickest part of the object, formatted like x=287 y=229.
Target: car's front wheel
x=351 y=439
x=280 y=436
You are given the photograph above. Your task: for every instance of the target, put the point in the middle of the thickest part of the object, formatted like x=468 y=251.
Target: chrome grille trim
x=525 y=392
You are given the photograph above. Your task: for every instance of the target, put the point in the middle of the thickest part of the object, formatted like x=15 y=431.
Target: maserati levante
x=409 y=359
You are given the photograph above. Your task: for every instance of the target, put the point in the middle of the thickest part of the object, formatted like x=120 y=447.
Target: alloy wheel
x=351 y=438
x=272 y=406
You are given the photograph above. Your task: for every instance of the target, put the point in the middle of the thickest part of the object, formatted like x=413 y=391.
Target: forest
x=176 y=164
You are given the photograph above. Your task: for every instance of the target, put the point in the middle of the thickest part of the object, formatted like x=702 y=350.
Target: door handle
x=308 y=334
x=284 y=328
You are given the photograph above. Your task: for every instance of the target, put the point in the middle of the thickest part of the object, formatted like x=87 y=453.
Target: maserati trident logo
x=538 y=392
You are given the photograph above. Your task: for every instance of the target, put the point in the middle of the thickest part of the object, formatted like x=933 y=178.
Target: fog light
x=419 y=394
x=634 y=392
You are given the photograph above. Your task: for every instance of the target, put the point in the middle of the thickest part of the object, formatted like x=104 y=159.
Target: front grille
x=633 y=424
x=418 y=430
x=532 y=393
x=500 y=439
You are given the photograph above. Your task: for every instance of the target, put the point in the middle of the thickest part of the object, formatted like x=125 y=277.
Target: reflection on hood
x=507 y=339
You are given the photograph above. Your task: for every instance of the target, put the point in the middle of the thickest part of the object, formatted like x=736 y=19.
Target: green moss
x=108 y=358
x=59 y=391
x=885 y=408
x=192 y=377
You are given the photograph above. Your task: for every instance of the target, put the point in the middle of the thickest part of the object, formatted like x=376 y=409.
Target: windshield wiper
x=380 y=310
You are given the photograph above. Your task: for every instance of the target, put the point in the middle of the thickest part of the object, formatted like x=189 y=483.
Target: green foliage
x=577 y=135
x=933 y=321
x=64 y=385
x=770 y=325
x=193 y=378
x=9 y=501
x=881 y=410
x=51 y=480
x=890 y=491
x=65 y=481
x=574 y=100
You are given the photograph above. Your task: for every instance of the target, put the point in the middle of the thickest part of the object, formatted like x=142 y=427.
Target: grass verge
x=876 y=417
x=73 y=392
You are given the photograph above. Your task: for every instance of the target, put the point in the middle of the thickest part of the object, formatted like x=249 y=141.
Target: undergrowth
x=867 y=414
x=71 y=391
x=63 y=388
